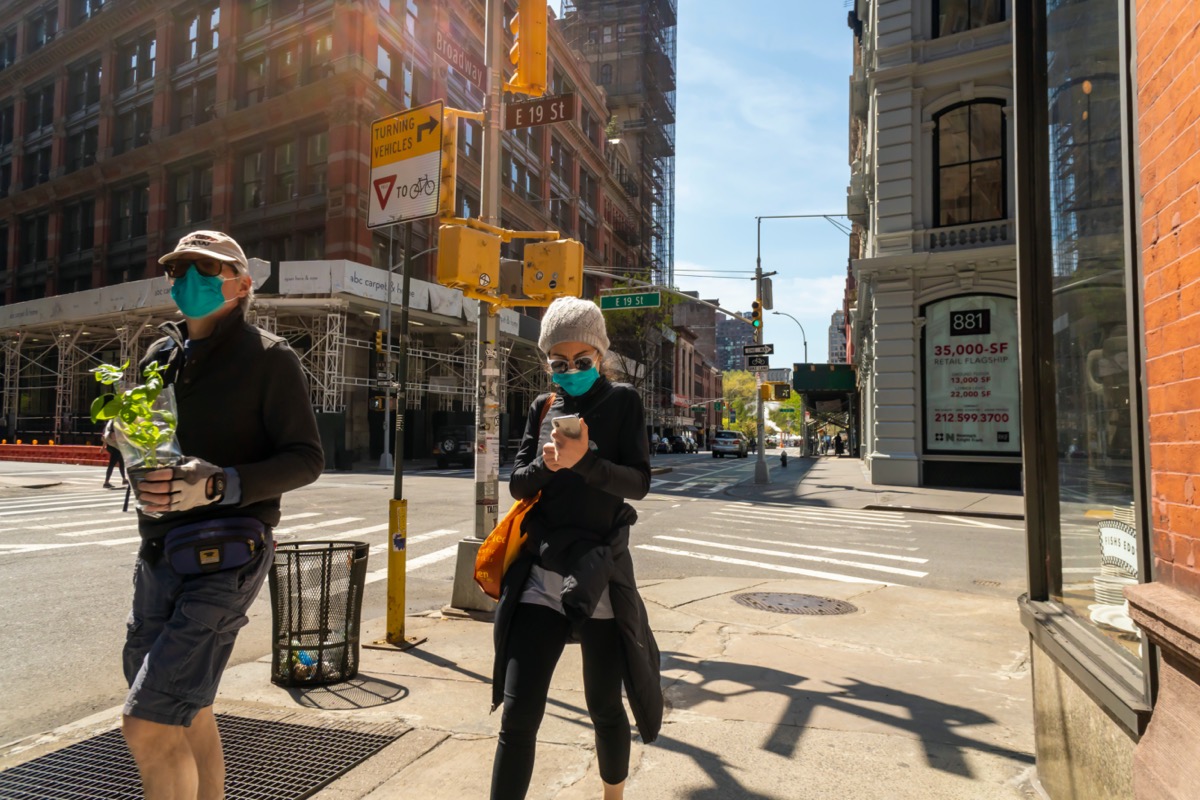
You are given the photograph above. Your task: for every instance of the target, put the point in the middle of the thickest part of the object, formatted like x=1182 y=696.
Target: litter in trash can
x=316 y=601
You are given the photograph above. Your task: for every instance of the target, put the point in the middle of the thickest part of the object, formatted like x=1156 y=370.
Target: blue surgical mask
x=198 y=295
x=577 y=382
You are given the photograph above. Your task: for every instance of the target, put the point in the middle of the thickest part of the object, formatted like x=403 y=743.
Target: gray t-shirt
x=544 y=588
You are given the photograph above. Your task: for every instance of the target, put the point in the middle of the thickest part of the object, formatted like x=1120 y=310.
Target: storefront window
x=1090 y=326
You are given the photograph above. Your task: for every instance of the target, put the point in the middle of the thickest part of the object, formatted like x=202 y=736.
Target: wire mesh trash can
x=316 y=602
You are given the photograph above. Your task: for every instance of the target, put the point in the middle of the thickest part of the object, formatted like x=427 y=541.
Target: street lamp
x=803 y=335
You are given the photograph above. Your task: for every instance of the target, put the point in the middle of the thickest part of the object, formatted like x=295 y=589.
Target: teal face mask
x=198 y=295
x=577 y=382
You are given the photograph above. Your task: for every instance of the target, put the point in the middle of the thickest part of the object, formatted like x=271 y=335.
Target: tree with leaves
x=740 y=395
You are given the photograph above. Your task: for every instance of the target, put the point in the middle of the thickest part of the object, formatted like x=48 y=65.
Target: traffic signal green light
x=756 y=313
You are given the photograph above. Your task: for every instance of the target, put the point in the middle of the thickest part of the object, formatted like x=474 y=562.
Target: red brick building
x=124 y=124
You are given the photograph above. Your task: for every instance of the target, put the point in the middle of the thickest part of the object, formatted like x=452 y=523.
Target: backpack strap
x=545 y=407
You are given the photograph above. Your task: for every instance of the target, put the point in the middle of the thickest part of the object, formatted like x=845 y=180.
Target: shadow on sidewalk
x=939 y=725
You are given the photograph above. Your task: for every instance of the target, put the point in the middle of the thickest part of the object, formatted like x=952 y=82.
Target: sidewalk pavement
x=919 y=694
x=843 y=482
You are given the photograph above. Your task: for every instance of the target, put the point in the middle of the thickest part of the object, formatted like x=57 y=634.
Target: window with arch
x=970 y=154
x=605 y=74
x=956 y=16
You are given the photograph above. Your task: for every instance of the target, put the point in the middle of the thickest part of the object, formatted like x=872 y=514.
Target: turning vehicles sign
x=406 y=165
x=972 y=392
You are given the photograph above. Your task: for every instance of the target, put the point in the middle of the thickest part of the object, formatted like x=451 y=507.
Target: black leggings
x=535 y=642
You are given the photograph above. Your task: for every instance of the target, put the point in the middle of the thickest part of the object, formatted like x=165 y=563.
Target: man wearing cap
x=249 y=434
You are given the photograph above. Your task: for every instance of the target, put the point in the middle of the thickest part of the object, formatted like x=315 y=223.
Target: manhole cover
x=787 y=603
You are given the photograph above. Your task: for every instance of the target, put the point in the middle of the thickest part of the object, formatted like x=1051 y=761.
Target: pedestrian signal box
x=377 y=403
x=553 y=269
x=765 y=391
x=782 y=391
x=468 y=259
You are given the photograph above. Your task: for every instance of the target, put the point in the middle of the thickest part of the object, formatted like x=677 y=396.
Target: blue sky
x=762 y=130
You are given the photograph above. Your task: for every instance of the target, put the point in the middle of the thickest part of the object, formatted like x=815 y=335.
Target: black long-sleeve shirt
x=616 y=468
x=243 y=402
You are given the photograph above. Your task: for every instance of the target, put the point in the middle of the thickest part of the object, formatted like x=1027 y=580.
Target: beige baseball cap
x=209 y=244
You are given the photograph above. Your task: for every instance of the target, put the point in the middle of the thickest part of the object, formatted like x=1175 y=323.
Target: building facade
x=837 y=337
x=933 y=315
x=732 y=335
x=125 y=124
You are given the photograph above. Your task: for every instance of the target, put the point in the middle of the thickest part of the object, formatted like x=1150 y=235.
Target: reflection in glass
x=1091 y=334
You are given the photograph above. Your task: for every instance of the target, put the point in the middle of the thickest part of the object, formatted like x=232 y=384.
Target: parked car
x=454 y=444
x=730 y=443
x=678 y=444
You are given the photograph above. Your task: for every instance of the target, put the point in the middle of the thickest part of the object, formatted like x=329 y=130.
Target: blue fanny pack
x=214 y=544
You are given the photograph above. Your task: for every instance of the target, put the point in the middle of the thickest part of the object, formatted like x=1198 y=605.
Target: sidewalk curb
x=661 y=470
x=951 y=512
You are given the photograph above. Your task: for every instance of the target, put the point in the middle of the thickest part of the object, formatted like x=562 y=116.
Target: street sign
x=786 y=410
x=758 y=363
x=620 y=302
x=543 y=111
x=758 y=349
x=406 y=166
x=464 y=59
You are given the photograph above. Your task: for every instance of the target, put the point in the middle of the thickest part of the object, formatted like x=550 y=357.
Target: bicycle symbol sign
x=406 y=165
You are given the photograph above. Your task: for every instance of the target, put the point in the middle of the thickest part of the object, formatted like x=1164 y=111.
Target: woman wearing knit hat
x=574 y=578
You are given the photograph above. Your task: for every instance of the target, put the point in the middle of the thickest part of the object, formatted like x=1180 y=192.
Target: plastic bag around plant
x=149 y=442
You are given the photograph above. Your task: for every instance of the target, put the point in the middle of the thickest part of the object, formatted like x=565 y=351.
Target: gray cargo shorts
x=181 y=632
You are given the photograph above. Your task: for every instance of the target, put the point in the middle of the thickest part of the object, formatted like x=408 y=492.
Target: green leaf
x=98 y=408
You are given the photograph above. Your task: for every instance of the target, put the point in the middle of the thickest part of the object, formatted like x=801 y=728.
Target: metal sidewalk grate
x=788 y=603
x=265 y=759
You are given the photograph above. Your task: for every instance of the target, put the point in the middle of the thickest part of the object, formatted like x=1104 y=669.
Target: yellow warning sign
x=405 y=165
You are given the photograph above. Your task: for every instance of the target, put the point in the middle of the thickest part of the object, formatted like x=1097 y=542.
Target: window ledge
x=1106 y=677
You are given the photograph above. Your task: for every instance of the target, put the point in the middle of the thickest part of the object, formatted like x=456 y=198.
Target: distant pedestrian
x=839 y=446
x=114 y=455
x=574 y=578
x=248 y=429
x=653 y=443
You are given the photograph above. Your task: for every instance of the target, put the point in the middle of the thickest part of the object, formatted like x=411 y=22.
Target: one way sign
x=406 y=165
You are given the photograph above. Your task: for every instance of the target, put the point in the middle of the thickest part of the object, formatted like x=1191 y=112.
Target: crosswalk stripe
x=411 y=540
x=857 y=512
x=416 y=563
x=62 y=498
x=97 y=531
x=807 y=516
x=830 y=576
x=312 y=525
x=358 y=532
x=301 y=515
x=978 y=523
x=79 y=522
x=17 y=549
x=759 y=551
x=58 y=507
x=739 y=538
x=831 y=511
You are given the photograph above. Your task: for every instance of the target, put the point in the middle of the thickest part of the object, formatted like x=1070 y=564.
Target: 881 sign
x=971 y=323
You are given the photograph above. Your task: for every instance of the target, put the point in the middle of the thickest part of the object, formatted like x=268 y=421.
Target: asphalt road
x=66 y=556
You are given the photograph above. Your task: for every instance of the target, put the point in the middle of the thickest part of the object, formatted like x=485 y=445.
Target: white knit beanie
x=570 y=319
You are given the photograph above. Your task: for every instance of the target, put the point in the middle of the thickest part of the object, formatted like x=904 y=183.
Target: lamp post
x=803 y=335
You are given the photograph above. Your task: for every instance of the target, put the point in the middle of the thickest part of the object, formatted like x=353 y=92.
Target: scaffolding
x=630 y=48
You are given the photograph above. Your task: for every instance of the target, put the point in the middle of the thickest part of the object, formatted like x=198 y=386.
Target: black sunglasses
x=558 y=365
x=177 y=269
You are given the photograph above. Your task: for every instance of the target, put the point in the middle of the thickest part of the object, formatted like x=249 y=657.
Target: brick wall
x=1168 y=76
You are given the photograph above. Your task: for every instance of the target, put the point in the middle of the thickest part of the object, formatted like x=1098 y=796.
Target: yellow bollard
x=397 y=555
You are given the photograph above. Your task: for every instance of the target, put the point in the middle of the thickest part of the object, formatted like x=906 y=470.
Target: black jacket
x=243 y=402
x=580 y=528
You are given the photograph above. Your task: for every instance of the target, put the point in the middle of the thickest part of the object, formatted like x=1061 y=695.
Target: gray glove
x=194 y=483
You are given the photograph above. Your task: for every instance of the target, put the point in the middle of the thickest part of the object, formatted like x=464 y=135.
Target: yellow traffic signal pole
x=398 y=506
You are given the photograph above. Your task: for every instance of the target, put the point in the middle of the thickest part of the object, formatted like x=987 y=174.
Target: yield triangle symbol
x=383 y=189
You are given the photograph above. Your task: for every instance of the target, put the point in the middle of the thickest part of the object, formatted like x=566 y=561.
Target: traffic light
x=553 y=269
x=764 y=391
x=446 y=207
x=756 y=313
x=782 y=391
x=379 y=341
x=528 y=52
x=377 y=403
x=718 y=406
x=468 y=259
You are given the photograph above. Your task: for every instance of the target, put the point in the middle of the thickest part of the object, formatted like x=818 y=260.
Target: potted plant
x=144 y=418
